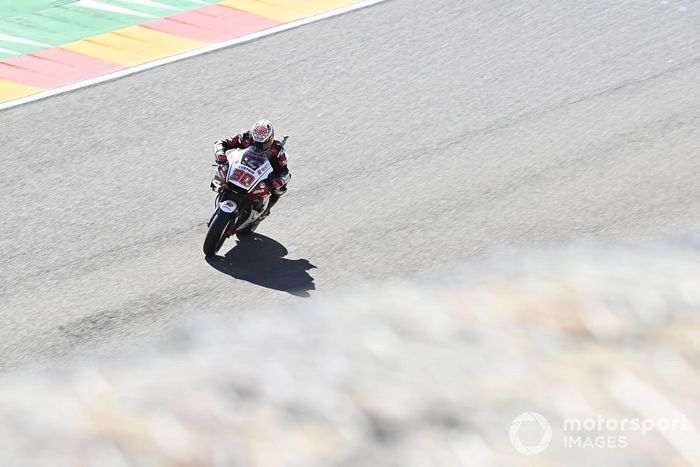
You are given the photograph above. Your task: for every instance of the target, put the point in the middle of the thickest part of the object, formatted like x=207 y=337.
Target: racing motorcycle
x=243 y=196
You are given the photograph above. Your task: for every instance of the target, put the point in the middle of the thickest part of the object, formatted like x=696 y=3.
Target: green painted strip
x=186 y=4
x=20 y=48
x=150 y=10
x=18 y=7
x=75 y=23
x=176 y=6
x=60 y=26
x=56 y=22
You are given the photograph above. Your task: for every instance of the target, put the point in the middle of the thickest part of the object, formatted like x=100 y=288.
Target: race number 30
x=242 y=178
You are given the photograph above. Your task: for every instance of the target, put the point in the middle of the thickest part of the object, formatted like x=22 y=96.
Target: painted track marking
x=189 y=54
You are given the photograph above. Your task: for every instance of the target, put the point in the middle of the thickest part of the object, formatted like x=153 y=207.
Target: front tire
x=216 y=235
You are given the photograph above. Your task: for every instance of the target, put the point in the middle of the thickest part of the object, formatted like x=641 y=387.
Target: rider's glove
x=221 y=158
x=277 y=183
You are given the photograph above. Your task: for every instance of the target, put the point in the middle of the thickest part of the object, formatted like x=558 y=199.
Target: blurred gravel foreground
x=549 y=359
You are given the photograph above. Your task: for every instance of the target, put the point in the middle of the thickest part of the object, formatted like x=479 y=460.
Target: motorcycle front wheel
x=216 y=235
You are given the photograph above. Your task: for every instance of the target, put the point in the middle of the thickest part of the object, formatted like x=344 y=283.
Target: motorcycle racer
x=261 y=137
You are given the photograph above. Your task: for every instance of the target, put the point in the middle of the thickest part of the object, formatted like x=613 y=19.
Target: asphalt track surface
x=422 y=134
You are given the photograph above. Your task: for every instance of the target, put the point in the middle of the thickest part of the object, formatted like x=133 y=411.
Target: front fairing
x=247 y=169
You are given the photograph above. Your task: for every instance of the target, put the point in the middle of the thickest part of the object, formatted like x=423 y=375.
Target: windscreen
x=253 y=158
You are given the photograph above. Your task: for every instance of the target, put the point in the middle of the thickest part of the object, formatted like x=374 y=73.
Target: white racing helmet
x=262 y=134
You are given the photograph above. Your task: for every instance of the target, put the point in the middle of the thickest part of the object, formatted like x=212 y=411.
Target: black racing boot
x=251 y=228
x=273 y=200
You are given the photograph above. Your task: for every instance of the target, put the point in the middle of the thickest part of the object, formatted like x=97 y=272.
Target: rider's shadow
x=261 y=260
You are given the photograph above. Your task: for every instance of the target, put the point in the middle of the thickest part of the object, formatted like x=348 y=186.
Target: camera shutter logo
x=530 y=418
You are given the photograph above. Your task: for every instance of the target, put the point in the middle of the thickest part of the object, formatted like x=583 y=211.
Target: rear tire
x=216 y=235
